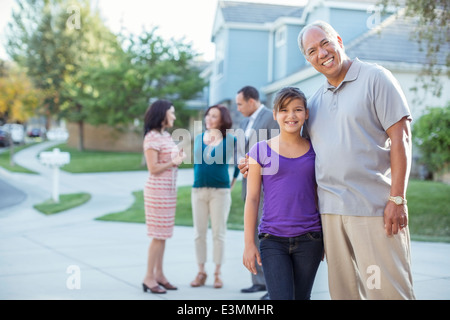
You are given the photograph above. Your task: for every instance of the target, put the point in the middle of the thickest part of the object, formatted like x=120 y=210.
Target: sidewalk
x=41 y=255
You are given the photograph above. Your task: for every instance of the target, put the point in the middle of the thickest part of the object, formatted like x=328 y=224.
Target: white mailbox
x=55 y=159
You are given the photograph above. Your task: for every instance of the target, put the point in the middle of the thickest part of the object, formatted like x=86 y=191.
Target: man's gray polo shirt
x=348 y=131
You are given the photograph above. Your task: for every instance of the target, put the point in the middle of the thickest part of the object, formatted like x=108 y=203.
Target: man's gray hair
x=326 y=27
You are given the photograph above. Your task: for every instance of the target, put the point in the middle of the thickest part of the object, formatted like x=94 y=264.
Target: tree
x=55 y=40
x=33 y=45
x=148 y=68
x=18 y=98
x=91 y=45
x=432 y=33
x=88 y=75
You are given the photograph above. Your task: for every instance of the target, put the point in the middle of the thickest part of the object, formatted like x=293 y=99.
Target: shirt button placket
x=335 y=100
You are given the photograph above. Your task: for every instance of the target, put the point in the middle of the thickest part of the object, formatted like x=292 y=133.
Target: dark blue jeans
x=290 y=264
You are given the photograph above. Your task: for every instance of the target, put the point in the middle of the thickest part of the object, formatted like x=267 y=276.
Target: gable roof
x=391 y=42
x=250 y=12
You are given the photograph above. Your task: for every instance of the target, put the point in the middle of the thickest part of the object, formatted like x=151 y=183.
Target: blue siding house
x=256 y=44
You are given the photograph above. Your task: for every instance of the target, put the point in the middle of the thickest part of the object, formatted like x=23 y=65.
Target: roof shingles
x=393 y=43
x=249 y=12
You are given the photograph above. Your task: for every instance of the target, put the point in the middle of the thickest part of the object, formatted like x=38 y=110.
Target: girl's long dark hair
x=155 y=115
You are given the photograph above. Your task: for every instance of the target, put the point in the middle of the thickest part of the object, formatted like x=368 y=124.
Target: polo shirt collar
x=352 y=74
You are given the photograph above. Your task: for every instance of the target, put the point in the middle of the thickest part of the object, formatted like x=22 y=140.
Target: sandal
x=217 y=281
x=200 y=280
x=168 y=286
x=156 y=289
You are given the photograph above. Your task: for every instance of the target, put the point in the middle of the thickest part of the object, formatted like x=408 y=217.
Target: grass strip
x=429 y=212
x=5 y=160
x=66 y=202
x=183 y=215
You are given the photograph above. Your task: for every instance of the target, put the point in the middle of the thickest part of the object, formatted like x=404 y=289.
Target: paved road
x=10 y=195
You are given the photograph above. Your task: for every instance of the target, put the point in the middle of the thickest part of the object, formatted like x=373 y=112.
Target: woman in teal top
x=214 y=151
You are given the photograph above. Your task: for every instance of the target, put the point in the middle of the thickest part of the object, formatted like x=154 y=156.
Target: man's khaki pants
x=365 y=263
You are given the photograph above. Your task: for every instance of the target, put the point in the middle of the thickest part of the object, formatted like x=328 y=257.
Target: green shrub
x=431 y=134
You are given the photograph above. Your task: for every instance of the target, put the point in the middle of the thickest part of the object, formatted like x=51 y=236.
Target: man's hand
x=243 y=166
x=395 y=218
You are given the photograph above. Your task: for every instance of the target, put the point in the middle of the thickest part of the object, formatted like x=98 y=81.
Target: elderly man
x=360 y=128
x=359 y=124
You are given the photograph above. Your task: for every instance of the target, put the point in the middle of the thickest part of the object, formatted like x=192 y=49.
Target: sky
x=189 y=19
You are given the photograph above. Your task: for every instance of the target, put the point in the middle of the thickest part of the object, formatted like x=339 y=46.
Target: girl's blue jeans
x=290 y=264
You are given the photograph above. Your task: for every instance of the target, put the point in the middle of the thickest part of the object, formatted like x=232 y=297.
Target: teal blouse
x=211 y=164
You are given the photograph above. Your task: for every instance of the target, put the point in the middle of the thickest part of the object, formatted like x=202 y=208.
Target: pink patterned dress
x=160 y=192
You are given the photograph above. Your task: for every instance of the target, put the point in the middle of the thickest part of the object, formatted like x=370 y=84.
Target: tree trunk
x=81 y=135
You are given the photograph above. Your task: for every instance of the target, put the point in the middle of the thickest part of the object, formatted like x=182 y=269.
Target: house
x=256 y=44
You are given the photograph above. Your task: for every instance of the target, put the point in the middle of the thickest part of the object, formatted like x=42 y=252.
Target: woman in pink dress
x=160 y=193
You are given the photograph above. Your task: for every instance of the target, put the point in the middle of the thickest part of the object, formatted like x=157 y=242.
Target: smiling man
x=359 y=126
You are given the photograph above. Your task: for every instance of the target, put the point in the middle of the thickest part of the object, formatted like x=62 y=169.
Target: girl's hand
x=250 y=254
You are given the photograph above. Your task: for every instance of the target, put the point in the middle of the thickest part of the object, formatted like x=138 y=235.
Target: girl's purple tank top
x=289 y=186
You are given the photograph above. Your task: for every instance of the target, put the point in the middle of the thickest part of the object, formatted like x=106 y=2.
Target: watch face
x=398 y=200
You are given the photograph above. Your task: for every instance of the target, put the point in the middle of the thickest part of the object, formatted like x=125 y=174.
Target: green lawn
x=5 y=160
x=428 y=205
x=100 y=161
x=183 y=215
x=429 y=210
x=66 y=202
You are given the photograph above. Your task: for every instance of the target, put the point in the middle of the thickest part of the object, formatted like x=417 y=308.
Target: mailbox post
x=55 y=159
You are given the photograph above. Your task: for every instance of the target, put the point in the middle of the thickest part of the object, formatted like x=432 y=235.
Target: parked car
x=36 y=133
x=16 y=131
x=4 y=138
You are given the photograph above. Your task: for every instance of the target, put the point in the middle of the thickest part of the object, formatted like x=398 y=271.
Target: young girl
x=290 y=231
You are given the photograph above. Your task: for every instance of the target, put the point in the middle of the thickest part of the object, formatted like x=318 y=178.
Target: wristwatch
x=397 y=200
